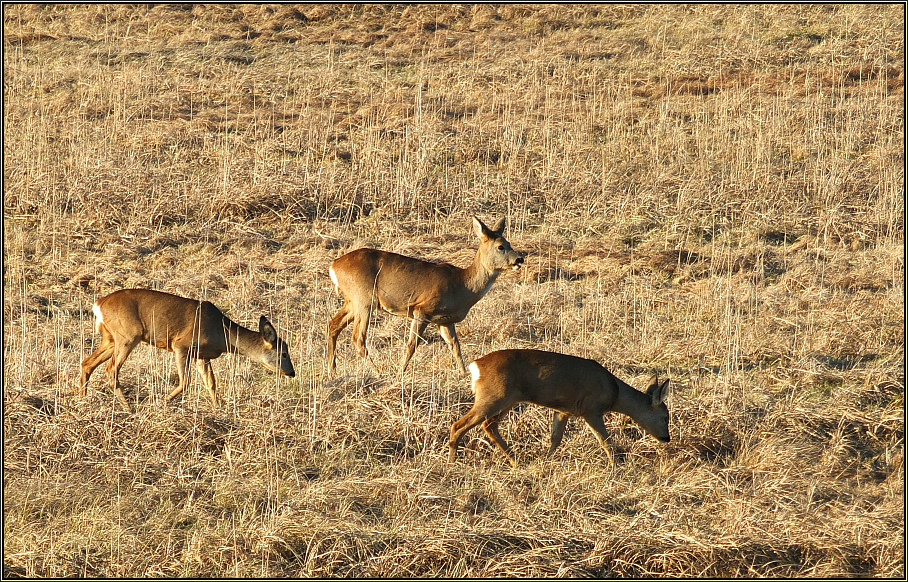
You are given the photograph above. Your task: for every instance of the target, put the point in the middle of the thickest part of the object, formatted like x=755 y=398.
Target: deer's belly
x=414 y=312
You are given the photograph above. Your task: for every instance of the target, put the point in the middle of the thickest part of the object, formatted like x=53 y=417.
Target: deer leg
x=449 y=334
x=181 y=356
x=361 y=330
x=491 y=427
x=204 y=367
x=559 y=421
x=337 y=324
x=98 y=357
x=121 y=352
x=596 y=423
x=417 y=328
x=473 y=417
x=361 y=320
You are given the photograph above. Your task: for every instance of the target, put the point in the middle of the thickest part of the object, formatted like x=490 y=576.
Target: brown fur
x=425 y=292
x=572 y=386
x=187 y=327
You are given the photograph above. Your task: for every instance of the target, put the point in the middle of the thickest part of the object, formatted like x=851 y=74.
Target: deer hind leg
x=361 y=319
x=337 y=324
x=417 y=329
x=120 y=353
x=449 y=334
x=559 y=421
x=473 y=417
x=487 y=413
x=491 y=427
x=204 y=367
x=98 y=357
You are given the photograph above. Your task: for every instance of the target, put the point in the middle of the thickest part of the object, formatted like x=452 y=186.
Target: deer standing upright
x=425 y=292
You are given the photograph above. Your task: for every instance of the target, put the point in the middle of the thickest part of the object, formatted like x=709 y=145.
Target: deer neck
x=478 y=278
x=628 y=400
x=239 y=338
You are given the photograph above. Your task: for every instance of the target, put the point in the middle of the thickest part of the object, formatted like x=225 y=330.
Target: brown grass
x=713 y=193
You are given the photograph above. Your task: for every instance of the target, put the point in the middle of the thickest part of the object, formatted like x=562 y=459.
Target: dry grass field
x=711 y=193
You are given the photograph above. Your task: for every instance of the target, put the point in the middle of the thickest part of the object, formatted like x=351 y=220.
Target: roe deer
x=572 y=386
x=189 y=328
x=425 y=292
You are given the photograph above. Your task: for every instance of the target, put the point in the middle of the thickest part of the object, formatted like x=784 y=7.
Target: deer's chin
x=280 y=371
x=516 y=267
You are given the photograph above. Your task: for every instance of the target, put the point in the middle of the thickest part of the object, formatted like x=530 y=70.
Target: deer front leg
x=596 y=423
x=204 y=367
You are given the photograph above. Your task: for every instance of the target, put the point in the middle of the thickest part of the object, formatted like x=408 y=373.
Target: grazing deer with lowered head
x=572 y=386
x=425 y=292
x=189 y=328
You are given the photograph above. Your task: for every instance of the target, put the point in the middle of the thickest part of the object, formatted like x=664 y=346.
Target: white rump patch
x=98 y=318
x=474 y=371
x=333 y=279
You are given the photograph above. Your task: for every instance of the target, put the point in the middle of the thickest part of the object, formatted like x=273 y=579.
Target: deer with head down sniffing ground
x=189 y=328
x=572 y=386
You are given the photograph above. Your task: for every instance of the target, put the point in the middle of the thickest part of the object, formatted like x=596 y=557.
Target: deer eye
x=500 y=247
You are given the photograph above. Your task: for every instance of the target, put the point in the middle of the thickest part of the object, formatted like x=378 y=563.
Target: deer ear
x=659 y=392
x=499 y=226
x=481 y=230
x=267 y=330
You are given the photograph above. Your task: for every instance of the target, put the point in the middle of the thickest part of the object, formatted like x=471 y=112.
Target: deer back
x=566 y=383
x=396 y=283
x=443 y=293
x=164 y=320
